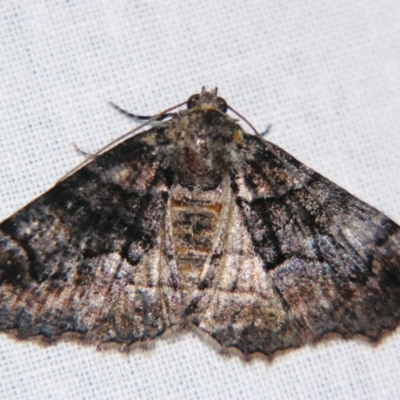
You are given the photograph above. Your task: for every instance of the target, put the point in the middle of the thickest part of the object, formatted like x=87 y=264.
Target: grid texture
x=325 y=74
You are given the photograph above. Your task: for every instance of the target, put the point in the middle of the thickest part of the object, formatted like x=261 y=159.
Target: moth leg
x=266 y=131
x=81 y=152
x=139 y=117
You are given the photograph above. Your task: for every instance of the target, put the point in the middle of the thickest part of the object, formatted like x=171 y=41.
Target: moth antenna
x=120 y=139
x=136 y=116
x=245 y=120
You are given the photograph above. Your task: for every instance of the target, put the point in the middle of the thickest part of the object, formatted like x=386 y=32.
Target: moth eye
x=192 y=101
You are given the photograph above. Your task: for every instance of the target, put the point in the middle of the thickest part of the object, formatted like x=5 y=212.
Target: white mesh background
x=326 y=74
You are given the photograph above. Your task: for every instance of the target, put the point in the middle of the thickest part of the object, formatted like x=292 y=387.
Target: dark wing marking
x=331 y=263
x=78 y=258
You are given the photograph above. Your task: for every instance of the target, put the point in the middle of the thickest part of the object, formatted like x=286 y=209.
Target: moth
x=196 y=223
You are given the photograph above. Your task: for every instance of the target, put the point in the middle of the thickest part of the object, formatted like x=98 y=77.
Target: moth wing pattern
x=195 y=222
x=64 y=256
x=317 y=260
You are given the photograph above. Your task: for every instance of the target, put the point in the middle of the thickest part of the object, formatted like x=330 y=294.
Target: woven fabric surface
x=325 y=74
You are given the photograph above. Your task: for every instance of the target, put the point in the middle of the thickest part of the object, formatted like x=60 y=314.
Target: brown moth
x=195 y=222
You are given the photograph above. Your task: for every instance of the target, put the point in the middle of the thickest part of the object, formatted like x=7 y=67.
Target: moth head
x=207 y=100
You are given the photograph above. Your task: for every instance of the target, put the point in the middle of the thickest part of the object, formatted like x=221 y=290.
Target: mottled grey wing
x=313 y=259
x=72 y=260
